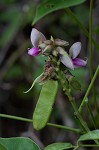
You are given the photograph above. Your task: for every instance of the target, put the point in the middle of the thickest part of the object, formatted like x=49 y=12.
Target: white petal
x=75 y=50
x=37 y=37
x=61 y=50
x=67 y=61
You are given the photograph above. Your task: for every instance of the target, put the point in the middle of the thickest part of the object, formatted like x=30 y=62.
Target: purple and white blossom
x=71 y=60
x=56 y=47
x=37 y=38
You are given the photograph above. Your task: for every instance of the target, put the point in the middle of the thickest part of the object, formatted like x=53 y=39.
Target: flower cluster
x=41 y=45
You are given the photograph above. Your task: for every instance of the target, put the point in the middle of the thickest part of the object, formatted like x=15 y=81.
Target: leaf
x=58 y=146
x=18 y=143
x=45 y=103
x=2 y=147
x=92 y=135
x=35 y=81
x=80 y=75
x=75 y=84
x=52 y=5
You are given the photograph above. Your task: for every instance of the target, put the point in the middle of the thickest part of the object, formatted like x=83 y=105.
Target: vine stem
x=65 y=127
x=16 y=118
x=90 y=39
x=76 y=148
x=88 y=90
x=83 y=123
x=85 y=145
x=88 y=145
x=78 y=131
x=72 y=101
x=67 y=91
x=91 y=114
x=91 y=53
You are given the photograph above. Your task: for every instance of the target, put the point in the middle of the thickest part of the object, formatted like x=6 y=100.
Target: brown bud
x=60 y=42
x=48 y=42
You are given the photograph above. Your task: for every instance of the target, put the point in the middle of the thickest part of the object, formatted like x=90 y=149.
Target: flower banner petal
x=37 y=37
x=75 y=50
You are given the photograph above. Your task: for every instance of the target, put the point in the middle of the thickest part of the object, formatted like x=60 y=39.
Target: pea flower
x=37 y=38
x=71 y=61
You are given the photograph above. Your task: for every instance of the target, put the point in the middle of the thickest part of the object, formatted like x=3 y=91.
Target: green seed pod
x=45 y=103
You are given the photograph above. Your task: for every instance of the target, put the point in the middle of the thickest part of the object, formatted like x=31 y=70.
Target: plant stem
x=85 y=145
x=76 y=147
x=67 y=91
x=78 y=131
x=65 y=127
x=91 y=53
x=90 y=112
x=72 y=101
x=88 y=90
x=16 y=118
x=90 y=39
x=89 y=145
x=68 y=10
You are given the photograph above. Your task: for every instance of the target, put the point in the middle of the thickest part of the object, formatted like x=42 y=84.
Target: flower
x=37 y=38
x=70 y=60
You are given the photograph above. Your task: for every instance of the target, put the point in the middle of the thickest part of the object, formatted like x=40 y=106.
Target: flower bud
x=60 y=42
x=34 y=51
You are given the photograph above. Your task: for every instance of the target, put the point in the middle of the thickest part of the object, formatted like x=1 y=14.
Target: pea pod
x=44 y=105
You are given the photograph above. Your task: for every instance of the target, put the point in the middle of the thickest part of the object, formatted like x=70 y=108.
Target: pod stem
x=78 y=131
x=15 y=118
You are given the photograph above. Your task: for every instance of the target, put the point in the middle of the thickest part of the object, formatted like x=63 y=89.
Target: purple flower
x=37 y=38
x=71 y=61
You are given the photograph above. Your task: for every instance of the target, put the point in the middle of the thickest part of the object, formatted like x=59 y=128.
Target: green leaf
x=2 y=147
x=58 y=146
x=80 y=75
x=75 y=84
x=18 y=143
x=45 y=103
x=92 y=135
x=52 y=5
